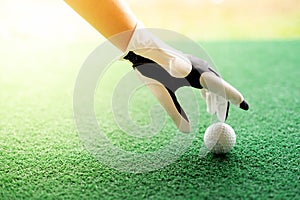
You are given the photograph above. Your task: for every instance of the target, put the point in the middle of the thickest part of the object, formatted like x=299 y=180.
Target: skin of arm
x=109 y=17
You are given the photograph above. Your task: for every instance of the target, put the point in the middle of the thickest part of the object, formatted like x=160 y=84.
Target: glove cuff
x=145 y=44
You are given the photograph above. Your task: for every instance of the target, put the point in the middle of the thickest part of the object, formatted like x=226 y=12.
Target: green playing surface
x=42 y=157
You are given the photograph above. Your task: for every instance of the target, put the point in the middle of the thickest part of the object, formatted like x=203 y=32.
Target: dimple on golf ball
x=219 y=138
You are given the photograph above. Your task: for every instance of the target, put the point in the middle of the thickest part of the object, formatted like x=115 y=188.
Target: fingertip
x=184 y=126
x=244 y=105
x=227 y=110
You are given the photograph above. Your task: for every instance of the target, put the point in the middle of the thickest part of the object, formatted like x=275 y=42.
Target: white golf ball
x=219 y=138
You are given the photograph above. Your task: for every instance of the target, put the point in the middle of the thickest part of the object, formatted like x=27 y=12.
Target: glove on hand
x=165 y=69
x=214 y=89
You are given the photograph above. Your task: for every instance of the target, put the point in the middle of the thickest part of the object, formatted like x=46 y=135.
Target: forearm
x=109 y=17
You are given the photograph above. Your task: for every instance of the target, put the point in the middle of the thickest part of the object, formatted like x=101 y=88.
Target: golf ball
x=219 y=138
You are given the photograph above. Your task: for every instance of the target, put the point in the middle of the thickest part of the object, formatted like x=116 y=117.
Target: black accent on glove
x=137 y=60
x=160 y=74
x=152 y=70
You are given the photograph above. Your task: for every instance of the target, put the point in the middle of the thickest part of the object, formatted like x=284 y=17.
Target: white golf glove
x=165 y=69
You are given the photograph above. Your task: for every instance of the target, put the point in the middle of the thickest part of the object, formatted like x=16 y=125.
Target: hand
x=214 y=89
x=164 y=70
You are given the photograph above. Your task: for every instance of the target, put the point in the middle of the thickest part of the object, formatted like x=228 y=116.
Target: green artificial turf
x=42 y=157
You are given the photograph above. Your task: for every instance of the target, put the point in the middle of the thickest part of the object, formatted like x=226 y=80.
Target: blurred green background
x=200 y=20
